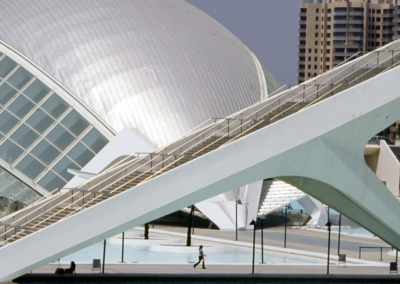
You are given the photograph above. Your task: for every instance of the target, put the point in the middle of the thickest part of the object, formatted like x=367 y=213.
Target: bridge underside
x=324 y=159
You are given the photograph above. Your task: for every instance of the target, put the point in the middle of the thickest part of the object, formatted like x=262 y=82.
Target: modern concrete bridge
x=325 y=159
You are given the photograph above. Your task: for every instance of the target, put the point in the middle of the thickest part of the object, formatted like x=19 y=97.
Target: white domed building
x=85 y=82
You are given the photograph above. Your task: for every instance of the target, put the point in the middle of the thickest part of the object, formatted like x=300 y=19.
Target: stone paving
x=310 y=241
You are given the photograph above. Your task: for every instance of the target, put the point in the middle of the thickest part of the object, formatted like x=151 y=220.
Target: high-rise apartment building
x=333 y=30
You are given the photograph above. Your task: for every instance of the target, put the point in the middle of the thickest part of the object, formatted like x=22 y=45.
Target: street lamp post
x=329 y=244
x=340 y=225
x=262 y=218
x=240 y=203
x=286 y=208
x=123 y=245
x=104 y=256
x=254 y=243
x=193 y=220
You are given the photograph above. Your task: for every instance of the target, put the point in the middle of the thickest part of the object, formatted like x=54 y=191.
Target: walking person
x=201 y=257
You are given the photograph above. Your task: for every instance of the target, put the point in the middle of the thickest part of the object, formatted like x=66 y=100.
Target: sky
x=268 y=27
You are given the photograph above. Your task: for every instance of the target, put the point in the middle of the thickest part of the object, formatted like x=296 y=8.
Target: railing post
x=359 y=253
x=381 y=253
x=228 y=127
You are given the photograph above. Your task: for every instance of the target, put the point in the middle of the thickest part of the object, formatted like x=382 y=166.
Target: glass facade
x=272 y=84
x=14 y=194
x=41 y=134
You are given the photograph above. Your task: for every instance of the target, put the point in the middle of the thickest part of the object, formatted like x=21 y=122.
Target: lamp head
x=263 y=217
x=239 y=202
x=252 y=222
x=328 y=224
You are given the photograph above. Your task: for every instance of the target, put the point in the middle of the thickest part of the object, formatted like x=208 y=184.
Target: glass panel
x=60 y=137
x=24 y=136
x=95 y=140
x=45 y=152
x=36 y=91
x=20 y=78
x=55 y=106
x=75 y=123
x=7 y=122
x=62 y=166
x=6 y=65
x=80 y=154
x=21 y=106
x=51 y=181
x=9 y=151
x=14 y=192
x=30 y=167
x=6 y=93
x=40 y=121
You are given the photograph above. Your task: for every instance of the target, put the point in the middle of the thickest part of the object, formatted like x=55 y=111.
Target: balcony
x=350 y=29
x=343 y=45
x=387 y=31
x=350 y=21
x=387 y=14
x=344 y=54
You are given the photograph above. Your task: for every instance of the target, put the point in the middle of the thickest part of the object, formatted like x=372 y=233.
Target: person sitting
x=67 y=270
x=71 y=269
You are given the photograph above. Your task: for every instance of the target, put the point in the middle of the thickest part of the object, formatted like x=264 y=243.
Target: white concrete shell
x=160 y=67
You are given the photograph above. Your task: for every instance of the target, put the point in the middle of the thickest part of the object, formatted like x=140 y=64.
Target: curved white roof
x=160 y=67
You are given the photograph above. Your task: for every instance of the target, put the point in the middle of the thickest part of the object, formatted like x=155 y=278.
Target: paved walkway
x=310 y=241
x=220 y=269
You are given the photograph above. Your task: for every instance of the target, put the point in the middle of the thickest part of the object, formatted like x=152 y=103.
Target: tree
x=189 y=238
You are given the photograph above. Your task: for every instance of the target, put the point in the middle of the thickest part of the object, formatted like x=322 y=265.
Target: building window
x=379 y=11
x=328 y=19
x=315 y=74
x=316 y=34
x=309 y=50
x=322 y=35
x=303 y=18
x=302 y=42
x=316 y=27
x=328 y=35
x=329 y=10
x=316 y=42
x=378 y=19
x=302 y=58
x=315 y=58
x=309 y=66
x=316 y=50
x=315 y=67
x=328 y=59
x=302 y=66
x=317 y=18
x=378 y=28
x=302 y=50
x=327 y=67
x=303 y=10
x=303 y=27
x=309 y=58
x=328 y=27
x=328 y=43
x=309 y=74
x=317 y=10
x=328 y=51
x=301 y=74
